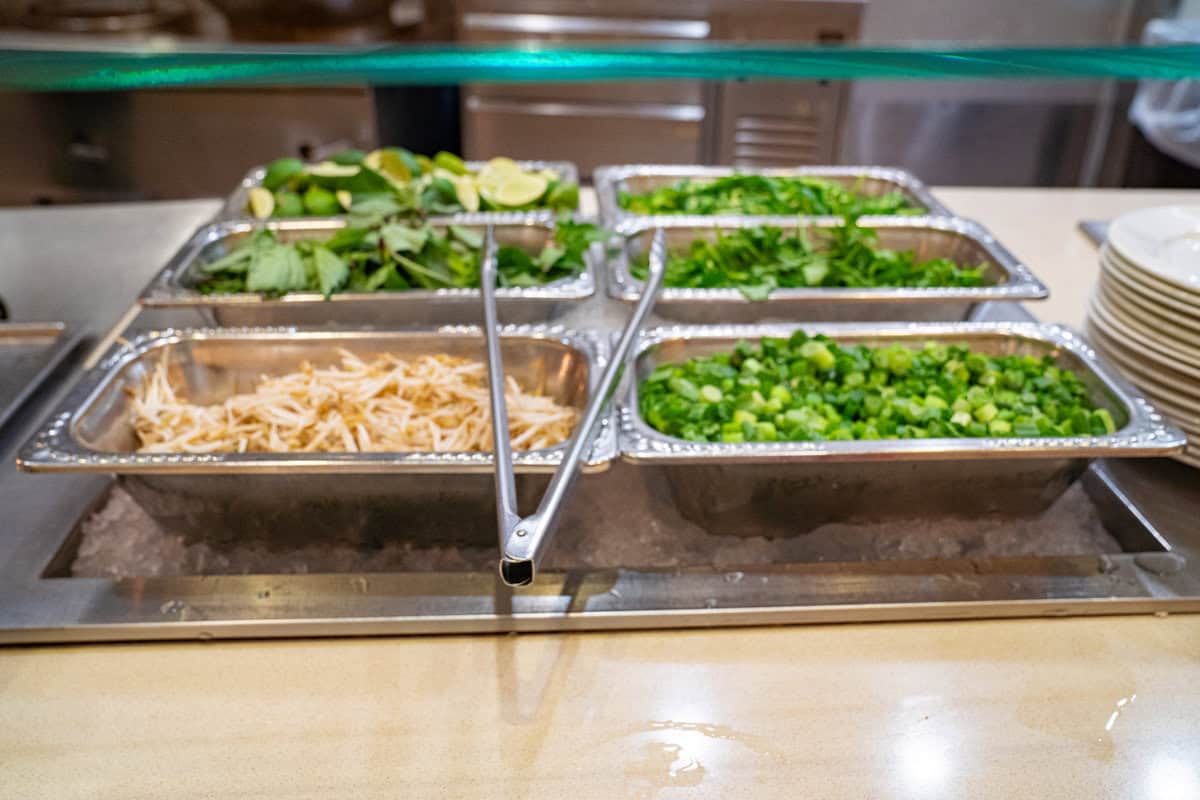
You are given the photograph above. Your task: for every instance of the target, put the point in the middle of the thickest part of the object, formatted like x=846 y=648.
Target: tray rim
x=607 y=178
x=1147 y=433
x=54 y=448
x=234 y=204
x=1022 y=283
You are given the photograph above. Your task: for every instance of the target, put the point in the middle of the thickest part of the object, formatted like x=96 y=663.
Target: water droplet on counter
x=172 y=607
x=734 y=577
x=710 y=602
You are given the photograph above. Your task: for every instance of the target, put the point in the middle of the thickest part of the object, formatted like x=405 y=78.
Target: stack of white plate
x=1144 y=315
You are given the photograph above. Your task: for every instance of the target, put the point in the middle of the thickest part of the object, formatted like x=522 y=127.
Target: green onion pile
x=764 y=194
x=390 y=257
x=809 y=388
x=759 y=260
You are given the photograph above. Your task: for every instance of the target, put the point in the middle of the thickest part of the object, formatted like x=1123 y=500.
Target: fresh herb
x=760 y=260
x=812 y=389
x=764 y=194
x=391 y=257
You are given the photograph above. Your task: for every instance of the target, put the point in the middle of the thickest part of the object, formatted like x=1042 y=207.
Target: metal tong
x=523 y=541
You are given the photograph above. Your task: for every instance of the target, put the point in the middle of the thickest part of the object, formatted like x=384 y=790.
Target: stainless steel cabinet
x=749 y=123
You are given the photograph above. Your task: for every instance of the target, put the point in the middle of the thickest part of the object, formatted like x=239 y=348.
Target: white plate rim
x=1132 y=233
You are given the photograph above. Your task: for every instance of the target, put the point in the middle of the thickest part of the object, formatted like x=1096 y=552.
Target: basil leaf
x=472 y=239
x=276 y=270
x=550 y=254
x=346 y=239
x=757 y=293
x=379 y=277
x=238 y=261
x=332 y=272
x=404 y=239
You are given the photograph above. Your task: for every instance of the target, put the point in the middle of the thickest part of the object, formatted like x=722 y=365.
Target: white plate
x=1152 y=351
x=1164 y=241
x=1187 y=300
x=1148 y=324
x=1159 y=380
x=1179 y=351
x=1119 y=285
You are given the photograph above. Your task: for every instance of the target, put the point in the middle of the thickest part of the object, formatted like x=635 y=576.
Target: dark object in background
x=342 y=21
x=423 y=119
x=108 y=17
x=1148 y=167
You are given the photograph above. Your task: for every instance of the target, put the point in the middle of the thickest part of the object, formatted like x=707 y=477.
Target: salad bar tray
x=175 y=287
x=243 y=492
x=1006 y=279
x=730 y=484
x=92 y=431
x=612 y=181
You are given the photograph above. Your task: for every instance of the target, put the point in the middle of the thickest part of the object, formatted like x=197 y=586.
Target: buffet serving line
x=780 y=511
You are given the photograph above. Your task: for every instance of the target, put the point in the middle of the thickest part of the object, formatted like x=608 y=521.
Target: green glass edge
x=72 y=70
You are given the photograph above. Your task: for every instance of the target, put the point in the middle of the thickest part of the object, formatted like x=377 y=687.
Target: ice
x=644 y=529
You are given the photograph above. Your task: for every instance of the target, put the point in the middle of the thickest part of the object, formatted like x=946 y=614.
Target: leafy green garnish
x=759 y=260
x=814 y=389
x=391 y=257
x=764 y=194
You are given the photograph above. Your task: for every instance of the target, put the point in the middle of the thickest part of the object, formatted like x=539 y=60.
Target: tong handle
x=507 y=517
x=523 y=542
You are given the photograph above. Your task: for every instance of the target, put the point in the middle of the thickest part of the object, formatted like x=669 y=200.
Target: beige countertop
x=1095 y=707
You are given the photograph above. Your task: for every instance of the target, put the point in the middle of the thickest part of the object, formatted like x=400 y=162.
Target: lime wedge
x=280 y=171
x=328 y=169
x=390 y=163
x=467 y=193
x=519 y=189
x=344 y=198
x=288 y=204
x=564 y=196
x=450 y=163
x=498 y=171
x=262 y=202
x=320 y=202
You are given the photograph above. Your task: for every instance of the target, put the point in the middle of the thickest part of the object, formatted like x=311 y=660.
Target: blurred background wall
x=65 y=147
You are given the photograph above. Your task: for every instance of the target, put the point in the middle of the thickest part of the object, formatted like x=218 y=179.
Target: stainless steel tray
x=727 y=488
x=612 y=180
x=1141 y=431
x=29 y=352
x=173 y=287
x=961 y=240
x=235 y=204
x=91 y=431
